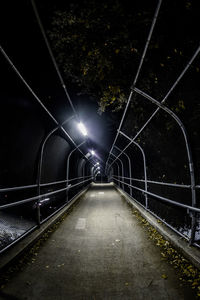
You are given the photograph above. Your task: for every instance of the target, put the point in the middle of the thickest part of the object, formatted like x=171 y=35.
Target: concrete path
x=100 y=251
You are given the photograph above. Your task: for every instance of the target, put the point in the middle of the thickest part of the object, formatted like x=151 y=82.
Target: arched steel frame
x=129 y=168
x=192 y=209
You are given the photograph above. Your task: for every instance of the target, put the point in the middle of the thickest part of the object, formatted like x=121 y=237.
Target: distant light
x=92 y=152
x=82 y=129
x=98 y=168
x=97 y=163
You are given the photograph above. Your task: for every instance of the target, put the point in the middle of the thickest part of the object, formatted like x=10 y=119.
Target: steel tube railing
x=190 y=208
x=188 y=149
x=160 y=182
x=18 y=188
x=129 y=166
x=31 y=199
x=36 y=226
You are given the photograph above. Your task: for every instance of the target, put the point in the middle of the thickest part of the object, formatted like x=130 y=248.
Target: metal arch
x=109 y=174
x=118 y=168
x=68 y=158
x=122 y=168
x=138 y=71
x=188 y=149
x=83 y=167
x=144 y=165
x=88 y=160
x=40 y=163
x=35 y=96
x=129 y=165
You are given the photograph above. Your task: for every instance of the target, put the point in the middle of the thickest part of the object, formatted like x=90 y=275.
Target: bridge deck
x=100 y=251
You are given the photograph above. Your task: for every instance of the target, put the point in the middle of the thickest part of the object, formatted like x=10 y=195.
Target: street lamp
x=82 y=129
x=92 y=152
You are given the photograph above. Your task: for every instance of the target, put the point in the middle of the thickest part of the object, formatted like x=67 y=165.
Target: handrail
x=191 y=208
x=16 y=188
x=31 y=199
x=159 y=182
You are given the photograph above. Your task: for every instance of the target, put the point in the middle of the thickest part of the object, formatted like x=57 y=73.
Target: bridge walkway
x=99 y=251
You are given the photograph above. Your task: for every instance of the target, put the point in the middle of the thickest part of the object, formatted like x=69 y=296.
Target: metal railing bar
x=36 y=226
x=31 y=199
x=52 y=56
x=74 y=185
x=191 y=208
x=60 y=208
x=159 y=218
x=148 y=41
x=62 y=181
x=35 y=185
x=159 y=182
x=80 y=177
x=52 y=183
x=16 y=188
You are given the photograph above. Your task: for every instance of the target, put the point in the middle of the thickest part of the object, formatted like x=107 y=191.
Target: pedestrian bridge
x=55 y=157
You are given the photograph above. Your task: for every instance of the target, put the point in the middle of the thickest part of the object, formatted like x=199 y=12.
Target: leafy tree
x=97 y=46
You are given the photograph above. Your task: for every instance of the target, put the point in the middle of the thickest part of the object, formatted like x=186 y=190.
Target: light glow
x=92 y=152
x=82 y=129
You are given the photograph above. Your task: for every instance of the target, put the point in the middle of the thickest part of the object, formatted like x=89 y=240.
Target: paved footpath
x=100 y=251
